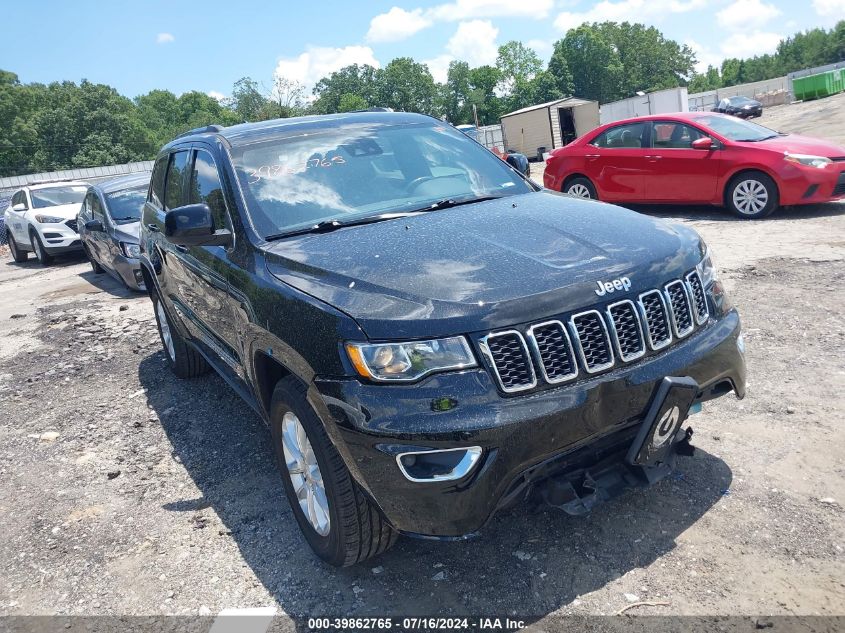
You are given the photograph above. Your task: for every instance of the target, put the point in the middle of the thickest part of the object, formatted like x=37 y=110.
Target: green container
x=819 y=85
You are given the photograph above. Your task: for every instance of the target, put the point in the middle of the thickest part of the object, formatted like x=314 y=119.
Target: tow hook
x=683 y=447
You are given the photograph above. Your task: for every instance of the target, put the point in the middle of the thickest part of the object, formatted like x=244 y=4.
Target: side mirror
x=704 y=142
x=94 y=225
x=20 y=207
x=192 y=225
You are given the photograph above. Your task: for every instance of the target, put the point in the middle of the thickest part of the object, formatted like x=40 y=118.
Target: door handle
x=654 y=157
x=153 y=227
x=592 y=156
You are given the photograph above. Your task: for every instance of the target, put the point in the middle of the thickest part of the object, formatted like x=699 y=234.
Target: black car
x=741 y=107
x=109 y=224
x=429 y=336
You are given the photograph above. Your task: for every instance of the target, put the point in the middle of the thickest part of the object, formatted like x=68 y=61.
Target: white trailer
x=543 y=127
x=660 y=102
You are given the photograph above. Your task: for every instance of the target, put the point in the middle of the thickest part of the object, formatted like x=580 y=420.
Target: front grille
x=592 y=340
x=657 y=326
x=839 y=189
x=699 y=300
x=625 y=325
x=554 y=351
x=509 y=355
x=679 y=308
x=72 y=224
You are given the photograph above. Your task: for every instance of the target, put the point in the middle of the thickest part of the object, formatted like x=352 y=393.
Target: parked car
x=699 y=158
x=429 y=336
x=742 y=107
x=513 y=158
x=109 y=221
x=41 y=218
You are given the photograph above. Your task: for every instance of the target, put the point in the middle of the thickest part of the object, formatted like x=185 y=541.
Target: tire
x=95 y=265
x=44 y=258
x=581 y=187
x=347 y=527
x=752 y=195
x=184 y=360
x=18 y=255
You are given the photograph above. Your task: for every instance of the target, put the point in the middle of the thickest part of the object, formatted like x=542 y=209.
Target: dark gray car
x=108 y=227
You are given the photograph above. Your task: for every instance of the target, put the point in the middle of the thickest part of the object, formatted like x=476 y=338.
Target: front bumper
x=374 y=423
x=809 y=185
x=59 y=237
x=129 y=270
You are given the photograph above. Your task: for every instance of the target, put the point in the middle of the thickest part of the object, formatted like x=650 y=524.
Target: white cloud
x=630 y=10
x=164 y=38
x=319 y=61
x=744 y=15
x=216 y=95
x=742 y=44
x=473 y=42
x=830 y=8
x=543 y=48
x=397 y=24
x=705 y=56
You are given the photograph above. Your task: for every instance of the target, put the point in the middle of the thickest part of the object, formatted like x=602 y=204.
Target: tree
x=702 y=82
x=350 y=103
x=482 y=82
x=407 y=86
x=455 y=100
x=247 y=100
x=517 y=65
x=288 y=95
x=594 y=60
x=349 y=80
x=559 y=71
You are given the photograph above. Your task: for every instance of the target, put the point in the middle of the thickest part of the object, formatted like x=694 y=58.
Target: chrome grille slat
x=553 y=347
x=679 y=308
x=508 y=354
x=699 y=300
x=626 y=329
x=555 y=351
x=592 y=340
x=656 y=317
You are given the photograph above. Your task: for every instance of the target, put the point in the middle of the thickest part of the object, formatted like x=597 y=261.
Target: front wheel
x=340 y=523
x=184 y=360
x=581 y=188
x=44 y=258
x=752 y=196
x=18 y=255
x=95 y=265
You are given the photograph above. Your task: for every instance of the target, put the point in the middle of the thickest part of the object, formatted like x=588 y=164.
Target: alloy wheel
x=305 y=474
x=579 y=191
x=164 y=326
x=750 y=197
x=36 y=246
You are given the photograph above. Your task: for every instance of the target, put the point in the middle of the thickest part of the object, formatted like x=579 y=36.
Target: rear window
x=55 y=196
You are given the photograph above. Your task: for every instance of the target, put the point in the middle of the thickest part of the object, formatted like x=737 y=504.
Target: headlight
x=810 y=161
x=706 y=269
x=48 y=219
x=409 y=361
x=132 y=251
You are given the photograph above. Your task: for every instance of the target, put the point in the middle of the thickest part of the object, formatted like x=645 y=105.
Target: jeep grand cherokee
x=429 y=336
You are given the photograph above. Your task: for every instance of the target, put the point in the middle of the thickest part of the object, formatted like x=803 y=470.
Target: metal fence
x=89 y=174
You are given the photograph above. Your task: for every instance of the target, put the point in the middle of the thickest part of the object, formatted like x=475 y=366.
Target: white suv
x=42 y=218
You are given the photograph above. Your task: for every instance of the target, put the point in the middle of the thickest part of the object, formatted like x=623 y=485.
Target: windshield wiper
x=130 y=217
x=326 y=226
x=756 y=140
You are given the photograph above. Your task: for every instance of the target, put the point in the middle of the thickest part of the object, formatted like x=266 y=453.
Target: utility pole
x=475 y=114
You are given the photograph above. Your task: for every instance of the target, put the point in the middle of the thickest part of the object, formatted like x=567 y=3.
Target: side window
x=20 y=198
x=206 y=187
x=96 y=207
x=156 y=195
x=674 y=135
x=174 y=182
x=622 y=136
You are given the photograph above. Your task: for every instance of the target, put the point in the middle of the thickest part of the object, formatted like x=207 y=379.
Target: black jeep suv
x=429 y=336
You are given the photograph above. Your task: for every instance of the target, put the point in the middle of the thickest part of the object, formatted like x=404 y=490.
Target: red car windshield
x=736 y=129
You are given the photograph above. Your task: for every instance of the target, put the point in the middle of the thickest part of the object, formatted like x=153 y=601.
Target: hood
x=798 y=144
x=128 y=232
x=477 y=267
x=66 y=211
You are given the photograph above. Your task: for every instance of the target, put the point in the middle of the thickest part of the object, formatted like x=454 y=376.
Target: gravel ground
x=127 y=491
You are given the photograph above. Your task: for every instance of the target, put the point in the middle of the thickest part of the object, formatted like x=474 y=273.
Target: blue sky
x=208 y=45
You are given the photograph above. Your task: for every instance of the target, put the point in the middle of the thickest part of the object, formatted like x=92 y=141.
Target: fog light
x=438 y=465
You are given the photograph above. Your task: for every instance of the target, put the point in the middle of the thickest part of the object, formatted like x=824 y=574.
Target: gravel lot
x=127 y=491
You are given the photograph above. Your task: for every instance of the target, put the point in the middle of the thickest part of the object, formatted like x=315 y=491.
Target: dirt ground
x=127 y=491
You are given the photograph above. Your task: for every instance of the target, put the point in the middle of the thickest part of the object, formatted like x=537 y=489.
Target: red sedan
x=698 y=158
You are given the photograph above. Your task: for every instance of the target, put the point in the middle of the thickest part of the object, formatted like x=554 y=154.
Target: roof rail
x=48 y=181
x=200 y=130
x=375 y=109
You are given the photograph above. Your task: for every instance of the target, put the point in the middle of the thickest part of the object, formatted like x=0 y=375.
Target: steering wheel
x=416 y=182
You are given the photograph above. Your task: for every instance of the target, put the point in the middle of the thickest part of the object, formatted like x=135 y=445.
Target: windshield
x=357 y=170
x=54 y=196
x=739 y=100
x=737 y=129
x=126 y=205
